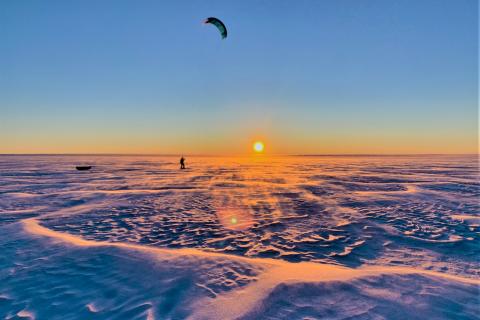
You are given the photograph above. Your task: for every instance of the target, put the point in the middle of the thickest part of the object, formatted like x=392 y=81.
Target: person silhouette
x=182 y=163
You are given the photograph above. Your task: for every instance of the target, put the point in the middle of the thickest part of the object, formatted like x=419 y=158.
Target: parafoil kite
x=219 y=24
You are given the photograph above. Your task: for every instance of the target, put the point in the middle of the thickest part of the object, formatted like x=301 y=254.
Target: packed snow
x=292 y=237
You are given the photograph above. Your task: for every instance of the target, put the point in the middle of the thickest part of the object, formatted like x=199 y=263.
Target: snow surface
x=331 y=237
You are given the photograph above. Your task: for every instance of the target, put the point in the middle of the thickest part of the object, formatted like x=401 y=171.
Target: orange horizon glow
x=234 y=143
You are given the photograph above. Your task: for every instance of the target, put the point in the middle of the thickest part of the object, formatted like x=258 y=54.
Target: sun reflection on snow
x=235 y=218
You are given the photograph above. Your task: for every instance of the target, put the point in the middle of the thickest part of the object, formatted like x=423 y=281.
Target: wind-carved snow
x=263 y=237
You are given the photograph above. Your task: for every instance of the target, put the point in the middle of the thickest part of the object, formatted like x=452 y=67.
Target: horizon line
x=240 y=155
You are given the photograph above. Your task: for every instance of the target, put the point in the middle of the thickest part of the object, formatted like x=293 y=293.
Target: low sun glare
x=258 y=146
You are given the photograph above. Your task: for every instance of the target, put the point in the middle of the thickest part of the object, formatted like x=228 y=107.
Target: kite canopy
x=219 y=24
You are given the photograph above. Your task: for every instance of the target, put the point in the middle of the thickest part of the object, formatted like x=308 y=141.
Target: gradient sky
x=318 y=76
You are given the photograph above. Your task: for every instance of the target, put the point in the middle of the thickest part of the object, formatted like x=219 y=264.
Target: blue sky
x=354 y=76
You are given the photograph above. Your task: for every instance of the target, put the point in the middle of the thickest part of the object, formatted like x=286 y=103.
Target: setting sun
x=258 y=146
